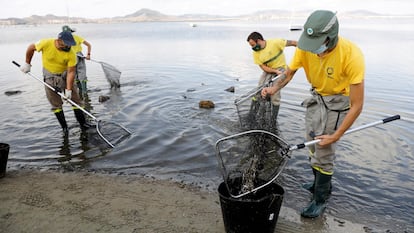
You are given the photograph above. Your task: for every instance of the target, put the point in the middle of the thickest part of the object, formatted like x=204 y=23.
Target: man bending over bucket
x=335 y=68
x=268 y=54
x=59 y=62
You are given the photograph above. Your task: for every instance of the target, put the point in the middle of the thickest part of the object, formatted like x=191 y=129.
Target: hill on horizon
x=149 y=15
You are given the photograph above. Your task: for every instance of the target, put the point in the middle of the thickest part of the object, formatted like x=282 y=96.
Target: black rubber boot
x=62 y=121
x=320 y=196
x=81 y=119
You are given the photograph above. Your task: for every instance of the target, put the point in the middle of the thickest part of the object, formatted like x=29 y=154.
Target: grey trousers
x=265 y=78
x=58 y=81
x=323 y=116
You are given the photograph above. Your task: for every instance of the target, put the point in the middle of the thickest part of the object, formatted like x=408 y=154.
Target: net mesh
x=250 y=160
x=112 y=132
x=255 y=112
x=112 y=74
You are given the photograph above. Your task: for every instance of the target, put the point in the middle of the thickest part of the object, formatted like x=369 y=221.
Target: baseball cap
x=320 y=25
x=67 y=38
x=67 y=28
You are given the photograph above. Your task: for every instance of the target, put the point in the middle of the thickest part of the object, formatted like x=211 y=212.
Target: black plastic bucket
x=4 y=155
x=253 y=213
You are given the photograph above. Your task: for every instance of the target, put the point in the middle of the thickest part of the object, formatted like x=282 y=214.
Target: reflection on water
x=167 y=68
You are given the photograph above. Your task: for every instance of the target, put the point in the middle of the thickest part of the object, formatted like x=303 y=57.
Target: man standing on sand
x=335 y=68
x=59 y=62
x=80 y=78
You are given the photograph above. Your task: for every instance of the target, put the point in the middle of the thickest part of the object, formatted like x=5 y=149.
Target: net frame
x=108 y=136
x=239 y=167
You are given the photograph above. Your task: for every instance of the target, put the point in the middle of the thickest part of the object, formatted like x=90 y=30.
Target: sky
x=111 y=8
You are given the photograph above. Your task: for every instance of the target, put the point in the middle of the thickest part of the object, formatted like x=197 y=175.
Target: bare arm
x=356 y=96
x=29 y=53
x=270 y=70
x=279 y=83
x=70 y=77
x=88 y=55
x=291 y=43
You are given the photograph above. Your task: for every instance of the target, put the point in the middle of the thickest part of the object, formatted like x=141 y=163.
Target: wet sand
x=60 y=202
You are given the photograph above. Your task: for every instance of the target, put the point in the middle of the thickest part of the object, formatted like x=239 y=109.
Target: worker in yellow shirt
x=335 y=69
x=80 y=78
x=269 y=56
x=59 y=62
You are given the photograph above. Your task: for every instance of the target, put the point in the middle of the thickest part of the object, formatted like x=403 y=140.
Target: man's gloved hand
x=25 y=68
x=68 y=94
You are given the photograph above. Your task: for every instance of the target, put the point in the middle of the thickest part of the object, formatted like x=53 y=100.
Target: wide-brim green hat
x=320 y=25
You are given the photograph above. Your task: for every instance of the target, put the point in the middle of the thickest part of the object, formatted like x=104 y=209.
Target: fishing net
x=111 y=132
x=250 y=160
x=256 y=112
x=112 y=74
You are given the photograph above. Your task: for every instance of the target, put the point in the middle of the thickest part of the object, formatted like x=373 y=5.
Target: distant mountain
x=148 y=15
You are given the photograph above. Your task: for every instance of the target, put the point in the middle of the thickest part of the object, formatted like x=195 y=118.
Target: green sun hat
x=320 y=25
x=67 y=28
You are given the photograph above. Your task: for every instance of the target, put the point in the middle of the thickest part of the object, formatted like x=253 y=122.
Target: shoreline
x=58 y=201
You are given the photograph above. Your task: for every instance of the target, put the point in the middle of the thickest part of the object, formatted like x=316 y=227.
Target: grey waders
x=322 y=190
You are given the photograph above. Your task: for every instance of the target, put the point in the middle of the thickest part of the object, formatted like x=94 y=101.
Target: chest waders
x=321 y=187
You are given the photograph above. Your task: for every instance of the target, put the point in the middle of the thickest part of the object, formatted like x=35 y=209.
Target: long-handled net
x=253 y=159
x=111 y=132
x=256 y=112
x=250 y=160
x=112 y=74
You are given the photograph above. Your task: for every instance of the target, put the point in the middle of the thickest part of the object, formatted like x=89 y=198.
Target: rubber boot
x=81 y=119
x=62 y=121
x=320 y=196
x=311 y=185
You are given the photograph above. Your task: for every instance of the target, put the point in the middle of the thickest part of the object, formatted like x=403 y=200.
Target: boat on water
x=193 y=25
x=295 y=27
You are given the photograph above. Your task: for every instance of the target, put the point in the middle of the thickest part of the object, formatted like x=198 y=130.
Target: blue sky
x=111 y=8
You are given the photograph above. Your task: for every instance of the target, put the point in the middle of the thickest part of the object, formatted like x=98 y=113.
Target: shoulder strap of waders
x=273 y=58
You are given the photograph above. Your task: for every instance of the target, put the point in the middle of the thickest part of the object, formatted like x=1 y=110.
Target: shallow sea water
x=167 y=68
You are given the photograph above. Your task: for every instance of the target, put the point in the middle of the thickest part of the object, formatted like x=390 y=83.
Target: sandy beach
x=60 y=202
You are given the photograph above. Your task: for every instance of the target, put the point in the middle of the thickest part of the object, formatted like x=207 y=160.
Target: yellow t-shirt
x=79 y=40
x=336 y=71
x=272 y=49
x=53 y=59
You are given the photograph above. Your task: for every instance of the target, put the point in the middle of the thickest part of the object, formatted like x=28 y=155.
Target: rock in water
x=103 y=98
x=230 y=89
x=9 y=93
x=206 y=104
